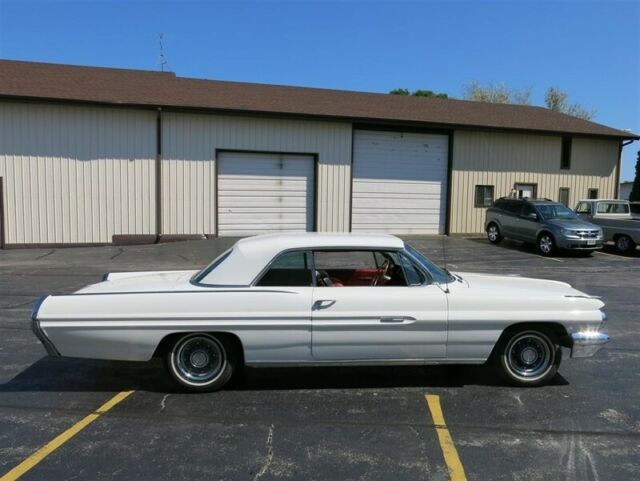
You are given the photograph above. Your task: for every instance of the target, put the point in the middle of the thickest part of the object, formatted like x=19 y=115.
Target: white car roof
x=249 y=256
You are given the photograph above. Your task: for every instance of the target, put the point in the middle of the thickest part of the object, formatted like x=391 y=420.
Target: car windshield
x=216 y=262
x=439 y=275
x=555 y=211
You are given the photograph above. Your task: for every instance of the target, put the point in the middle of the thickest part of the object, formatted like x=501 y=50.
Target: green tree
x=429 y=93
x=558 y=100
x=496 y=93
x=419 y=93
x=635 y=190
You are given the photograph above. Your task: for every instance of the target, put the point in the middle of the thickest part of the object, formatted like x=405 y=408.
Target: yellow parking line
x=59 y=440
x=451 y=458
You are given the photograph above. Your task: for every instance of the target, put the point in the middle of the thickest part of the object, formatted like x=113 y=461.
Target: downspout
x=159 y=174
x=623 y=144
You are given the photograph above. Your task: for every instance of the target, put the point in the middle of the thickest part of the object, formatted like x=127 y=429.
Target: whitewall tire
x=200 y=362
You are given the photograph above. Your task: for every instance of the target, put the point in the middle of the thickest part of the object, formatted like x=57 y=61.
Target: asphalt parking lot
x=322 y=423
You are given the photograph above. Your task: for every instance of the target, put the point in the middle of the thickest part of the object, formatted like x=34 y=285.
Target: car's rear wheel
x=200 y=362
x=528 y=357
x=493 y=233
x=546 y=244
x=625 y=244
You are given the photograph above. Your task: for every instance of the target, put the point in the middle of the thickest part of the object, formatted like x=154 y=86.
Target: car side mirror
x=532 y=216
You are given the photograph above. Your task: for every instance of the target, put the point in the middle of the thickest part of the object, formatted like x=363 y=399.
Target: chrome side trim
x=587 y=343
x=39 y=333
x=582 y=296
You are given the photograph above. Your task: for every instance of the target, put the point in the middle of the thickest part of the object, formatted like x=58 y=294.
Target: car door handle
x=323 y=303
x=396 y=320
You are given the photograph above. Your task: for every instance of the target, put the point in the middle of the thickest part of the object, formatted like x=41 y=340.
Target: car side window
x=292 y=269
x=358 y=268
x=513 y=207
x=499 y=204
x=528 y=209
x=583 y=208
x=612 y=208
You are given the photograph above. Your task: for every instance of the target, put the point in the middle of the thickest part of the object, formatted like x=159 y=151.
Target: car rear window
x=216 y=262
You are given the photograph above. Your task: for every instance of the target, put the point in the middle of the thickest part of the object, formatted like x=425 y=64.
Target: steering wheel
x=382 y=273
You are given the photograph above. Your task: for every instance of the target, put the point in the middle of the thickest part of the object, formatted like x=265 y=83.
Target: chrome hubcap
x=493 y=233
x=198 y=359
x=529 y=355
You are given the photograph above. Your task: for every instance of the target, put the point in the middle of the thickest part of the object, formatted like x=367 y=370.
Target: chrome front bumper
x=586 y=344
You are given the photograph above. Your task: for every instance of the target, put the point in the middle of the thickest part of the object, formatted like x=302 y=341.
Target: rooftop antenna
x=163 y=59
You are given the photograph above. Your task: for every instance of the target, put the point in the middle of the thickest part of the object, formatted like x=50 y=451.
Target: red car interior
x=352 y=277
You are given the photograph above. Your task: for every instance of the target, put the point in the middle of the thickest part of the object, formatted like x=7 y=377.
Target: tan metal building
x=93 y=156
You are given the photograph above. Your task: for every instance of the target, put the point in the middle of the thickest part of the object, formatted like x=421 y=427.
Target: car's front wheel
x=625 y=244
x=493 y=233
x=528 y=357
x=200 y=362
x=546 y=244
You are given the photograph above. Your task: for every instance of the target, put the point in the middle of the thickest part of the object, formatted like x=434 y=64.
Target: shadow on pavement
x=86 y=375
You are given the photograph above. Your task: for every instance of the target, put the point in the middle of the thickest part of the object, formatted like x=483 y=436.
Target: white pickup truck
x=614 y=216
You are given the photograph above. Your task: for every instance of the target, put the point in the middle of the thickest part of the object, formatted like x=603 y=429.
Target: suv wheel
x=493 y=233
x=546 y=244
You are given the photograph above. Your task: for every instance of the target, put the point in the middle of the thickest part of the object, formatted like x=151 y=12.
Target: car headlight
x=568 y=233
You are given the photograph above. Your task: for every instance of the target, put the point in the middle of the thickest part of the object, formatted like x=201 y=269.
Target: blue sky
x=589 y=49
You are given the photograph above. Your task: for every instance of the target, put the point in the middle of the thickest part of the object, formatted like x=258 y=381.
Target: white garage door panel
x=261 y=193
x=399 y=182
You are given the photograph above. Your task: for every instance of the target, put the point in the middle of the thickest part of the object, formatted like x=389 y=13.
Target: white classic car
x=322 y=299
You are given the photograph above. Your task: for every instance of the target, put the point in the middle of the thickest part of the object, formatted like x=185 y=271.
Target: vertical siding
x=188 y=170
x=503 y=159
x=76 y=174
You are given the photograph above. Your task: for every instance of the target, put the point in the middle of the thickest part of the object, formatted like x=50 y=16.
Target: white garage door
x=261 y=193
x=399 y=182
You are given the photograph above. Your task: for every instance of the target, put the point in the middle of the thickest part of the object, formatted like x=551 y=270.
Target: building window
x=593 y=194
x=526 y=191
x=484 y=195
x=563 y=196
x=565 y=154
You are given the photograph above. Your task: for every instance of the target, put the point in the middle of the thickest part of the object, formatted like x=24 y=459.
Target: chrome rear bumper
x=37 y=330
x=586 y=344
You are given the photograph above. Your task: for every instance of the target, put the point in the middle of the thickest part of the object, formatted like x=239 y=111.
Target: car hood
x=573 y=224
x=141 y=282
x=515 y=287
